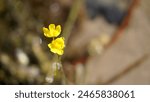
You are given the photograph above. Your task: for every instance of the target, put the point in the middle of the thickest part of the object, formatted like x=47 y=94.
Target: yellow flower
x=52 y=31
x=57 y=46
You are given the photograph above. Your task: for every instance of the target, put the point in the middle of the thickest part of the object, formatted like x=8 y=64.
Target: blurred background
x=107 y=41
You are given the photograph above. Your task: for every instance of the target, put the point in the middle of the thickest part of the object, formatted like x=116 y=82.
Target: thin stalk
x=71 y=19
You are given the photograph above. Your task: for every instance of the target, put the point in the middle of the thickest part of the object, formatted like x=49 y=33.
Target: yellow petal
x=60 y=52
x=58 y=29
x=51 y=27
x=62 y=42
x=46 y=32
x=53 y=31
x=55 y=50
x=49 y=45
x=57 y=46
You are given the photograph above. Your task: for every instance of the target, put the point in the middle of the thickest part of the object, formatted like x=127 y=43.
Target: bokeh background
x=107 y=41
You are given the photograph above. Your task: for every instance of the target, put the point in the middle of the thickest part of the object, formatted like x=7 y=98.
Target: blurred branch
x=125 y=22
x=41 y=56
x=71 y=19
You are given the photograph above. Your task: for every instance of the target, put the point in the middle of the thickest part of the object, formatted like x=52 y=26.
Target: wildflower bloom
x=57 y=46
x=53 y=30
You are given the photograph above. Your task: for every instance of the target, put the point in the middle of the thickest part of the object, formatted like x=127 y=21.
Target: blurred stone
x=132 y=46
x=88 y=30
x=137 y=76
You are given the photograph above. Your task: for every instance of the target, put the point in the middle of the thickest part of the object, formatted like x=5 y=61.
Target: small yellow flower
x=53 y=30
x=57 y=46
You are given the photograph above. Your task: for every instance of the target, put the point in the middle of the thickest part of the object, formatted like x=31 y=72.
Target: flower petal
x=57 y=46
x=61 y=42
x=60 y=52
x=58 y=29
x=51 y=27
x=46 y=32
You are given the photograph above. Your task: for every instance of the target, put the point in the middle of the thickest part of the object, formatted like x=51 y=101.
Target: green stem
x=71 y=19
x=68 y=27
